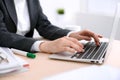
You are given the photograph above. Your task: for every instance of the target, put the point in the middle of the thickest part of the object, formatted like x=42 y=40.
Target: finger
x=100 y=36
x=68 y=49
x=75 y=41
x=95 y=36
x=85 y=38
x=96 y=39
x=73 y=45
x=76 y=47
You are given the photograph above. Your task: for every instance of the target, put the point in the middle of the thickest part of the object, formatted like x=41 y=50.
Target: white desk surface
x=42 y=67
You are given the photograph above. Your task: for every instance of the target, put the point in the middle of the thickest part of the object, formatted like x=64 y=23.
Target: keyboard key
x=86 y=47
x=100 y=51
x=91 y=51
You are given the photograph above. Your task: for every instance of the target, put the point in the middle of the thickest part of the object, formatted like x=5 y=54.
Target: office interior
x=95 y=15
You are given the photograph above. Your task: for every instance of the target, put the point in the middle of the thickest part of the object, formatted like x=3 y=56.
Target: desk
x=42 y=66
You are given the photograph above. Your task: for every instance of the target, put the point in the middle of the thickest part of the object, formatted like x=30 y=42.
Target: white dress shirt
x=23 y=25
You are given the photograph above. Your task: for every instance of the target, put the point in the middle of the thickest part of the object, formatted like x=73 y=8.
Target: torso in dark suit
x=38 y=21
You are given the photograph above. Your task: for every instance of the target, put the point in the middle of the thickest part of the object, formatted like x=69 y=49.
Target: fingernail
x=83 y=50
x=75 y=52
x=83 y=46
x=98 y=43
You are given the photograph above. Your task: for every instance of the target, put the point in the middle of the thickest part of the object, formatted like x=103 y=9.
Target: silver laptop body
x=93 y=53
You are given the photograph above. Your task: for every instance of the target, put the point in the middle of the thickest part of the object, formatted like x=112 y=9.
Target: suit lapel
x=31 y=9
x=32 y=12
x=11 y=9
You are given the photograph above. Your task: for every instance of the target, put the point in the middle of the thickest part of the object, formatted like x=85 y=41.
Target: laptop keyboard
x=92 y=51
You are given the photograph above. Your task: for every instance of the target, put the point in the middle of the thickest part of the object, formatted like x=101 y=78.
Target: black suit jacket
x=8 y=24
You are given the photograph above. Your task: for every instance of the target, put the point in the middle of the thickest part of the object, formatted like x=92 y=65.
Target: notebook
x=14 y=64
x=93 y=53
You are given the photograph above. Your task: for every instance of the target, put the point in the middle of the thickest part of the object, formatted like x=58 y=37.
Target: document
x=14 y=63
x=89 y=73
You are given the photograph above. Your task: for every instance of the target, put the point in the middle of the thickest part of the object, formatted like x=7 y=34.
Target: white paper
x=89 y=73
x=15 y=63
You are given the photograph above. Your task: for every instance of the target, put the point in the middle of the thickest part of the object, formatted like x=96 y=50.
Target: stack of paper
x=14 y=64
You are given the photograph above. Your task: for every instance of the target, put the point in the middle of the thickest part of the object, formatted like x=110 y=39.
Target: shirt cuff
x=70 y=33
x=35 y=46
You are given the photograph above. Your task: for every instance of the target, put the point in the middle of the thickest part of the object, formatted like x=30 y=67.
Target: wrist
x=35 y=46
x=72 y=35
x=44 y=47
x=41 y=46
x=69 y=34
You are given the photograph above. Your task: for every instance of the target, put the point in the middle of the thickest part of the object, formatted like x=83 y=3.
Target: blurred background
x=96 y=15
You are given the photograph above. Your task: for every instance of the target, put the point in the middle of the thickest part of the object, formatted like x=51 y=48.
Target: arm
x=71 y=43
x=12 y=40
x=46 y=29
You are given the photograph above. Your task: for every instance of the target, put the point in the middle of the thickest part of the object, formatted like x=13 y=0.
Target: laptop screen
x=115 y=29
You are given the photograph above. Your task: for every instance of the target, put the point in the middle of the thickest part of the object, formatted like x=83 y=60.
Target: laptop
x=92 y=53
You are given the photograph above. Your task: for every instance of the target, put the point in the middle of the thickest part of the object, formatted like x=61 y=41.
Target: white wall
x=50 y=7
x=96 y=15
x=104 y=7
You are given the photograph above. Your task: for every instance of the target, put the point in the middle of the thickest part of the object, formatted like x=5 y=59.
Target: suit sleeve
x=46 y=29
x=12 y=40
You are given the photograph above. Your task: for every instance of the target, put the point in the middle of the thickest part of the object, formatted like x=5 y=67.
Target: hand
x=86 y=35
x=62 y=44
